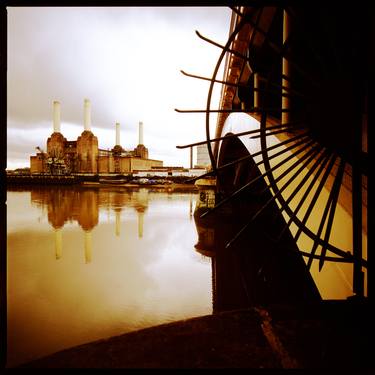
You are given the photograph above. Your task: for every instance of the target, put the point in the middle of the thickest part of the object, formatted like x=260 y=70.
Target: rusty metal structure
x=302 y=72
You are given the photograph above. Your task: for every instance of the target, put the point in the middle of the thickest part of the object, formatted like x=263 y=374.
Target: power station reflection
x=81 y=205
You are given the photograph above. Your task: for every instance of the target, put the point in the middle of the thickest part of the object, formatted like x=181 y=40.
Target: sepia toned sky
x=126 y=60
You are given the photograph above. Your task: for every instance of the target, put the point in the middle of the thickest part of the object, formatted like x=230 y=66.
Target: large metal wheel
x=303 y=73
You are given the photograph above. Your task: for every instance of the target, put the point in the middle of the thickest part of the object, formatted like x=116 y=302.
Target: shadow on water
x=250 y=269
x=255 y=270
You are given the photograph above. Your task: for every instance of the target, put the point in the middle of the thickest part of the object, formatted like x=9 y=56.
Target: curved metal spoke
x=250 y=183
x=235 y=135
x=248 y=110
x=313 y=153
x=246 y=86
x=305 y=195
x=334 y=198
x=315 y=197
x=303 y=136
x=331 y=199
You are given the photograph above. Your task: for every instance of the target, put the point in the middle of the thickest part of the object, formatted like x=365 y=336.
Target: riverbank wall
x=96 y=180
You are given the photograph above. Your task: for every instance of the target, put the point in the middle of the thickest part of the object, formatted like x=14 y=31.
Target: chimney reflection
x=81 y=205
x=88 y=209
x=118 y=222
x=88 y=246
x=141 y=207
x=115 y=200
x=140 y=224
x=58 y=243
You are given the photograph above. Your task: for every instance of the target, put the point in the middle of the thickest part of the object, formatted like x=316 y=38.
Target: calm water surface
x=90 y=263
x=86 y=264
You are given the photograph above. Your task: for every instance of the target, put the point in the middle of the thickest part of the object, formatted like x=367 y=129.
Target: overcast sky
x=126 y=60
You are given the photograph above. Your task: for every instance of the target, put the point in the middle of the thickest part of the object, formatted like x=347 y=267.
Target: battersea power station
x=84 y=156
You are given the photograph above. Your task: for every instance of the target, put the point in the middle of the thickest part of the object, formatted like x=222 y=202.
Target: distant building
x=203 y=158
x=84 y=156
x=170 y=172
x=19 y=171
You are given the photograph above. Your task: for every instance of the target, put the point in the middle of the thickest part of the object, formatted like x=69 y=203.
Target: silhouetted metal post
x=285 y=118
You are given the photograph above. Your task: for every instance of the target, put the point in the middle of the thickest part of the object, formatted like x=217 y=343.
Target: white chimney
x=140 y=133
x=56 y=117
x=117 y=134
x=87 y=115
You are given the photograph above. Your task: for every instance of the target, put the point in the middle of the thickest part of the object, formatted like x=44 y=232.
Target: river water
x=85 y=264
x=89 y=263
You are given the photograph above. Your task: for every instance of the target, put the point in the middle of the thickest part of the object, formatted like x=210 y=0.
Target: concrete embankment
x=45 y=180
x=160 y=187
x=330 y=335
x=85 y=181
